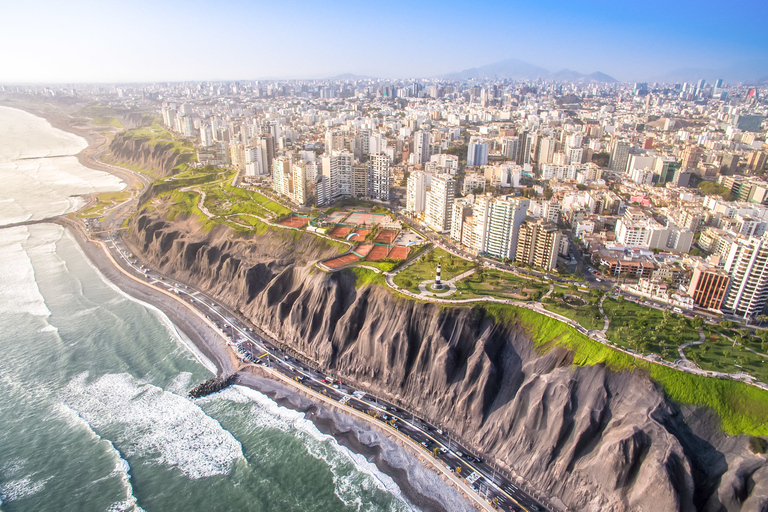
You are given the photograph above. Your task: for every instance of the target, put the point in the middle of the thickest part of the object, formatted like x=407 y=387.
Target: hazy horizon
x=88 y=41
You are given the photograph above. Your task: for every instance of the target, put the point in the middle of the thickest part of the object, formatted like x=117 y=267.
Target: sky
x=169 y=40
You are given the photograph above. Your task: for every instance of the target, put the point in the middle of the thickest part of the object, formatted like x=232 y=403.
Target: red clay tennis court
x=369 y=219
x=361 y=234
x=342 y=260
x=295 y=222
x=364 y=249
x=385 y=236
x=378 y=253
x=399 y=252
x=341 y=231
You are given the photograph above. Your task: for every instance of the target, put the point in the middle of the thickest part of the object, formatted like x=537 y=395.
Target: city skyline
x=173 y=41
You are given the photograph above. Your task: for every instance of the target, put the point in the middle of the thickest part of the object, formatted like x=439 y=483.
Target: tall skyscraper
x=477 y=153
x=747 y=265
x=337 y=167
x=619 y=156
x=537 y=244
x=440 y=203
x=504 y=219
x=379 y=177
x=421 y=141
x=416 y=193
x=523 y=148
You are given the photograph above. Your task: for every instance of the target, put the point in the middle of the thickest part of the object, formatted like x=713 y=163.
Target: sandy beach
x=420 y=484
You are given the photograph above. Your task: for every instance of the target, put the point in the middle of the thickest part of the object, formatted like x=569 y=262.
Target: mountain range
x=515 y=69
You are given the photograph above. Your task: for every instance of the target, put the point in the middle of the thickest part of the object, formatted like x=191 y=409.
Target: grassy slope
x=742 y=409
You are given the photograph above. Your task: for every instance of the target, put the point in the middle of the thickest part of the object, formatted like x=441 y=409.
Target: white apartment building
x=338 y=169
x=416 y=193
x=440 y=203
x=747 y=265
x=446 y=163
x=504 y=219
x=379 y=178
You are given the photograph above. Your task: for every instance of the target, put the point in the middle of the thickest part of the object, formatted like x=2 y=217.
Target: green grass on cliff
x=742 y=409
x=367 y=277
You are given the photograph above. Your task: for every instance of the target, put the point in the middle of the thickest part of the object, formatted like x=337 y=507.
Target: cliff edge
x=598 y=439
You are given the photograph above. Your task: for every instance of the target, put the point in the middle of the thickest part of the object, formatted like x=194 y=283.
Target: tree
x=697 y=323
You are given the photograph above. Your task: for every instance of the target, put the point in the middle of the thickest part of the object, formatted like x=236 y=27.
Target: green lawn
x=384 y=266
x=268 y=203
x=742 y=409
x=425 y=267
x=720 y=354
x=367 y=277
x=587 y=316
x=648 y=330
x=503 y=285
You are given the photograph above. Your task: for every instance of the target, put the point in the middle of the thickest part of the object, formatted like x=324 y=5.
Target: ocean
x=94 y=413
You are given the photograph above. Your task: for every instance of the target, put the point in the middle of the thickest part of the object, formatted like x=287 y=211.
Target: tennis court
x=386 y=236
x=378 y=253
x=341 y=231
x=336 y=217
x=364 y=249
x=399 y=252
x=295 y=222
x=342 y=260
x=369 y=219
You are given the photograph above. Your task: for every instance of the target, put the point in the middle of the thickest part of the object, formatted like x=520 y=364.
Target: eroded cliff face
x=596 y=439
x=158 y=158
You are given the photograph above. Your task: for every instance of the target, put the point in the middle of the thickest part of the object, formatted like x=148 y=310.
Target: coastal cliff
x=157 y=157
x=595 y=438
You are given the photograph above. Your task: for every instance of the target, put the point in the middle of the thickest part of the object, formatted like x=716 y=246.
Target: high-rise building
x=281 y=171
x=619 y=156
x=538 y=244
x=360 y=180
x=440 y=203
x=747 y=264
x=337 y=167
x=421 y=141
x=525 y=141
x=691 y=156
x=334 y=141
x=416 y=193
x=254 y=163
x=267 y=150
x=708 y=286
x=477 y=153
x=379 y=177
x=505 y=215
x=509 y=147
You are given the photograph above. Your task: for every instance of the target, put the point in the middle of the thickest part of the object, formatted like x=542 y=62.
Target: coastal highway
x=255 y=347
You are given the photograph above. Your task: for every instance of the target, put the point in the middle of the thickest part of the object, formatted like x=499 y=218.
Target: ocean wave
x=147 y=422
x=173 y=331
x=18 y=288
x=342 y=462
x=15 y=490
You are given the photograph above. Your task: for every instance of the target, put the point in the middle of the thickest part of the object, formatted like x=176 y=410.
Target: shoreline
x=388 y=453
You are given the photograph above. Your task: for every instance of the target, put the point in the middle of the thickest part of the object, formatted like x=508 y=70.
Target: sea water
x=94 y=413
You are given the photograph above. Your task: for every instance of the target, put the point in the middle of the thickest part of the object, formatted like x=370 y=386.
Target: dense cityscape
x=659 y=184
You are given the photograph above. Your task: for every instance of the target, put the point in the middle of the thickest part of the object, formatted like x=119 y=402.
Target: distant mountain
x=512 y=69
x=565 y=75
x=515 y=69
x=350 y=76
x=597 y=76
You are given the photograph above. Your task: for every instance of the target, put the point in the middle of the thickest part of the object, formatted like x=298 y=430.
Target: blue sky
x=238 y=40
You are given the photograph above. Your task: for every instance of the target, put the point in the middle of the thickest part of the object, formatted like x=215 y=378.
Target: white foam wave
x=180 y=384
x=154 y=424
x=15 y=490
x=267 y=413
x=19 y=292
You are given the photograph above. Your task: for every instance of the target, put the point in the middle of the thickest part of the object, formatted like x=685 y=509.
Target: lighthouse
x=438 y=284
